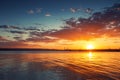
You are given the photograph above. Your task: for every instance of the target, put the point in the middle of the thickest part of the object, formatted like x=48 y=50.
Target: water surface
x=19 y=65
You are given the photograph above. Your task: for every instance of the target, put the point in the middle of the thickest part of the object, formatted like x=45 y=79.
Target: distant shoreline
x=81 y=50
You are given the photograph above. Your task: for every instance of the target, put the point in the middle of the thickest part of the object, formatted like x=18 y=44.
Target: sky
x=59 y=24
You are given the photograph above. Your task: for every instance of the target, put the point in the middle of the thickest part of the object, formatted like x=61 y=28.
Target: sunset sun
x=89 y=46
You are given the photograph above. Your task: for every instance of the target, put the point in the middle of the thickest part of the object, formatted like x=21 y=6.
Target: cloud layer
x=100 y=24
x=105 y=23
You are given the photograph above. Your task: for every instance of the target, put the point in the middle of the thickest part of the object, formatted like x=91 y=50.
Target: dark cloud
x=35 y=33
x=31 y=29
x=17 y=38
x=41 y=39
x=36 y=36
x=9 y=27
x=4 y=26
x=17 y=32
x=15 y=27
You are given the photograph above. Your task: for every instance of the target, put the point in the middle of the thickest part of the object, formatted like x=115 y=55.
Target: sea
x=59 y=65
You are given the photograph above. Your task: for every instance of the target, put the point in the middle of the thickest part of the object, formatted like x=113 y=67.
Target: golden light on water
x=90 y=55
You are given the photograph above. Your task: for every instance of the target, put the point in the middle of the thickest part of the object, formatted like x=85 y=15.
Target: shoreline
x=80 y=50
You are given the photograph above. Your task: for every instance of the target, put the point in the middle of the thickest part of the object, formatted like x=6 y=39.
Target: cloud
x=16 y=29
x=17 y=38
x=34 y=11
x=17 y=32
x=31 y=29
x=35 y=33
x=38 y=10
x=41 y=39
x=48 y=14
x=99 y=24
x=89 y=10
x=73 y=10
x=30 y=11
x=106 y=22
x=4 y=26
x=9 y=27
x=3 y=39
x=37 y=36
x=15 y=44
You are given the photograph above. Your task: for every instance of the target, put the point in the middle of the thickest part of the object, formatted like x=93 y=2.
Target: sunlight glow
x=90 y=46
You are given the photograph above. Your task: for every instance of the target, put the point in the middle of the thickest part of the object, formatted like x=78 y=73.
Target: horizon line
x=39 y=49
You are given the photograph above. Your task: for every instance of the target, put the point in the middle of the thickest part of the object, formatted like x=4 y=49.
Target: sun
x=89 y=46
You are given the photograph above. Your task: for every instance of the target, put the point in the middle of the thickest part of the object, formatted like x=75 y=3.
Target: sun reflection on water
x=90 y=55
x=61 y=65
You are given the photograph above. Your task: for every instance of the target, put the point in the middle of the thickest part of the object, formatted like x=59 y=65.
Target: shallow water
x=19 y=65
